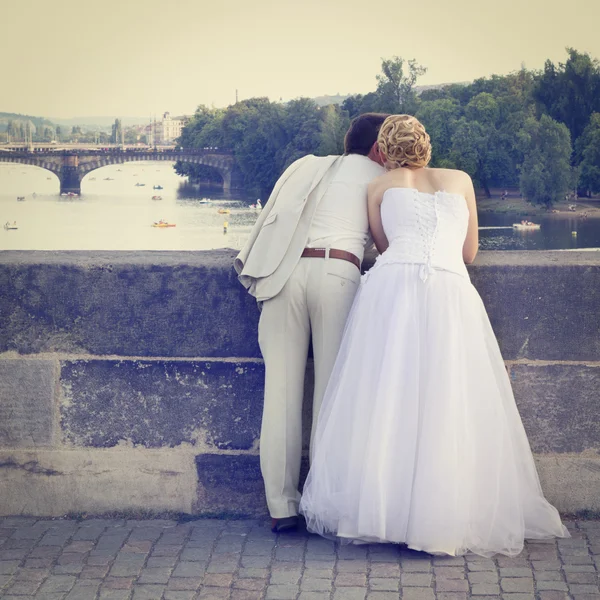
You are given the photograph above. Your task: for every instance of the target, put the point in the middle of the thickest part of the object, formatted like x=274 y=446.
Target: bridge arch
x=72 y=166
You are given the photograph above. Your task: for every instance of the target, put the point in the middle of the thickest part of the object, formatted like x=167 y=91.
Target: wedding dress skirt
x=419 y=440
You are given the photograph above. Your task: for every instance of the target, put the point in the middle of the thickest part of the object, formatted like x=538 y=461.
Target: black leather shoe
x=284 y=524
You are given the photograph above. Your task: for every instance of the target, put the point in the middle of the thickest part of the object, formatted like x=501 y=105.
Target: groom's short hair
x=362 y=133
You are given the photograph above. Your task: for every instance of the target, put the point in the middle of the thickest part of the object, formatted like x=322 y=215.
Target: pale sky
x=73 y=58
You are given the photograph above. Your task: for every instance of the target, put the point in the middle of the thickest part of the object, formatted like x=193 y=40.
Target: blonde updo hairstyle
x=403 y=142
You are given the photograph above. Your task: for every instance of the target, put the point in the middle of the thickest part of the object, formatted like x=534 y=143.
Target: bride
x=419 y=440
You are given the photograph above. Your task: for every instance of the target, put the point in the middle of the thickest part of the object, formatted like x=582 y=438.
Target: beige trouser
x=316 y=300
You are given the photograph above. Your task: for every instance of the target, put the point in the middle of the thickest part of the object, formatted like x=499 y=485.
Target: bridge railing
x=113 y=152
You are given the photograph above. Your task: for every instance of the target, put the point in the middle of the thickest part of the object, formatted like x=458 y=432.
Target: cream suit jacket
x=280 y=233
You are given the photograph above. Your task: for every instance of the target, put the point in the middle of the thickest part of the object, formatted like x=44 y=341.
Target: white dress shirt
x=341 y=220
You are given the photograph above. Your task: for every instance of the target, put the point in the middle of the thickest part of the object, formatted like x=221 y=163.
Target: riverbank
x=516 y=205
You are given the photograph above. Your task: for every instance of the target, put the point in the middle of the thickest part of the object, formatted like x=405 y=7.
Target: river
x=113 y=213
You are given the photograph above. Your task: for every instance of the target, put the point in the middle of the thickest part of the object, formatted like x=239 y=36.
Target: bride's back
x=428 y=180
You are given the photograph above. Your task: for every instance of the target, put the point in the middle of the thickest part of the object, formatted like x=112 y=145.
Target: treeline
x=265 y=136
x=538 y=130
x=18 y=128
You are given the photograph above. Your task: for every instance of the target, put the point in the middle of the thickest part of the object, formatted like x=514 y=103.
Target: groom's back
x=341 y=219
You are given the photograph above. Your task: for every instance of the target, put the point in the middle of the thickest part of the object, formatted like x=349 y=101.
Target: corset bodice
x=426 y=229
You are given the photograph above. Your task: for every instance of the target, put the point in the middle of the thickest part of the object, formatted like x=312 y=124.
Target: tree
x=470 y=151
x=395 y=85
x=359 y=103
x=301 y=126
x=546 y=173
x=440 y=119
x=333 y=127
x=588 y=152
x=570 y=92
x=483 y=108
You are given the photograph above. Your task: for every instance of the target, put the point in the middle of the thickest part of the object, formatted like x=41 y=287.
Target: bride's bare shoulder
x=451 y=174
x=379 y=184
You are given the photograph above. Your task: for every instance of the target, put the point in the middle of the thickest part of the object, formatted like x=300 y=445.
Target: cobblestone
x=111 y=559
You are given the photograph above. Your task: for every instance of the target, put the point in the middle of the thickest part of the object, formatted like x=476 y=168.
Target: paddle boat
x=257 y=206
x=526 y=225
x=156 y=197
x=163 y=224
x=223 y=211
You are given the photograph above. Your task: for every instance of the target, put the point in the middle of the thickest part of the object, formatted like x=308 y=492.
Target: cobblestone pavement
x=103 y=559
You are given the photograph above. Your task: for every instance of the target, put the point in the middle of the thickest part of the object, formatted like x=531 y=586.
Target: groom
x=302 y=262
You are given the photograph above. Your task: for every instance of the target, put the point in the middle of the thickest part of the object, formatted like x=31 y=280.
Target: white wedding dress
x=419 y=440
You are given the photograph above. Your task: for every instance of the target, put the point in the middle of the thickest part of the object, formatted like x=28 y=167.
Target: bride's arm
x=471 y=245
x=375 y=196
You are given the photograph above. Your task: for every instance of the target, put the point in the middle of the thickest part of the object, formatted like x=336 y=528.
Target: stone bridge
x=71 y=166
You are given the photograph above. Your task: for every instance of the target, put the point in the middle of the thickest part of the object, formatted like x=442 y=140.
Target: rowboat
x=526 y=226
x=163 y=224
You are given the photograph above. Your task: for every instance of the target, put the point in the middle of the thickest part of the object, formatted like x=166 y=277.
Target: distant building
x=167 y=130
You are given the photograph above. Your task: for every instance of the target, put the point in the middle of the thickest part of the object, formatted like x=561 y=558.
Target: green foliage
x=588 y=153
x=440 y=118
x=395 y=85
x=490 y=128
x=333 y=127
x=546 y=173
x=264 y=136
x=570 y=92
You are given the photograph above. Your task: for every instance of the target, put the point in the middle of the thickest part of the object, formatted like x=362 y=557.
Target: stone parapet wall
x=133 y=381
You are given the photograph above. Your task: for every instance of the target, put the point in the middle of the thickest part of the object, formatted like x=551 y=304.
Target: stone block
x=230 y=485
x=571 y=484
x=26 y=402
x=559 y=406
x=57 y=482
x=529 y=299
x=153 y=404
x=126 y=303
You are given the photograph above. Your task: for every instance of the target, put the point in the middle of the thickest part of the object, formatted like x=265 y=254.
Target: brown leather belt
x=333 y=253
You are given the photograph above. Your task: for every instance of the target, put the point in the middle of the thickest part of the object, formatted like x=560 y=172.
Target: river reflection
x=115 y=212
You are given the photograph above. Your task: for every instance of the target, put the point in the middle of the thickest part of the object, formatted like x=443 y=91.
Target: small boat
x=162 y=223
x=157 y=187
x=528 y=225
x=223 y=211
x=108 y=179
x=140 y=184
x=156 y=197
x=204 y=201
x=92 y=179
x=8 y=226
x=20 y=198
